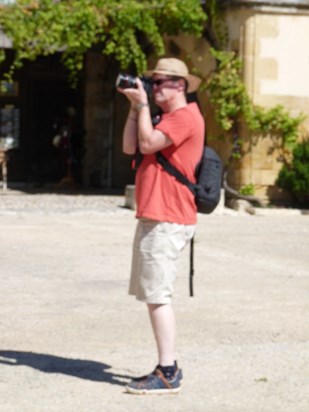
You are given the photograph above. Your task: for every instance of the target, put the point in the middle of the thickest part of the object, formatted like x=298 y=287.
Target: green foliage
x=233 y=106
x=227 y=91
x=2 y=55
x=279 y=123
x=294 y=177
x=216 y=30
x=43 y=27
x=247 y=190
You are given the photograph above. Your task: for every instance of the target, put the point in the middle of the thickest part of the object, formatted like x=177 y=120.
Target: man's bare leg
x=164 y=328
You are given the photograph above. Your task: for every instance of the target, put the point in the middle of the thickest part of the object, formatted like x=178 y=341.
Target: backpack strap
x=172 y=170
x=191 y=274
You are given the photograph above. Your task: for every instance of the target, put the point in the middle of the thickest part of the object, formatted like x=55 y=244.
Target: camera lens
x=125 y=81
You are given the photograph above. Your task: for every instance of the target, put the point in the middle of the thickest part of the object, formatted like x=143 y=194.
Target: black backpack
x=206 y=190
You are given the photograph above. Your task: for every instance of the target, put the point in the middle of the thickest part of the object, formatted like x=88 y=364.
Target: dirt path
x=70 y=337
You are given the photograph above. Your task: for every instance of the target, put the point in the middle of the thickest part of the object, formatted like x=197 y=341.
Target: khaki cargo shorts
x=156 y=249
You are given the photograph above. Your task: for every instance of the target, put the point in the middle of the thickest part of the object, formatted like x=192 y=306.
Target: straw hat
x=175 y=67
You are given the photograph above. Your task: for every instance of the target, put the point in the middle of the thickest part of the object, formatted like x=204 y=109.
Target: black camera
x=126 y=81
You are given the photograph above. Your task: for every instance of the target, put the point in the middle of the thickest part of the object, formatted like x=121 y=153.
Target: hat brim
x=193 y=81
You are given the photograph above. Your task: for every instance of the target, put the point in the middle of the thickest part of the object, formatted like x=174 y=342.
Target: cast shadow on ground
x=79 y=368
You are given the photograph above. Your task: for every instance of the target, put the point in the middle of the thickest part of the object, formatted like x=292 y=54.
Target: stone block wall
x=271 y=42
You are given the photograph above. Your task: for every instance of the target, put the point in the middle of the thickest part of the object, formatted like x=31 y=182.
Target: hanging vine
x=233 y=106
x=44 y=27
x=215 y=31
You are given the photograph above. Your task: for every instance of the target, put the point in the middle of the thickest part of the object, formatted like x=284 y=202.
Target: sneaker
x=155 y=383
x=144 y=377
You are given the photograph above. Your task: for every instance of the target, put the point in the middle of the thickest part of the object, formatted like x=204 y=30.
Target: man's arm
x=138 y=128
x=150 y=140
x=129 y=140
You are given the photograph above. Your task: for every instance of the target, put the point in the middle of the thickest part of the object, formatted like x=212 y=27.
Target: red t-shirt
x=159 y=196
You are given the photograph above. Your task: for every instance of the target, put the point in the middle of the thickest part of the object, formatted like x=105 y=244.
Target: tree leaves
x=43 y=27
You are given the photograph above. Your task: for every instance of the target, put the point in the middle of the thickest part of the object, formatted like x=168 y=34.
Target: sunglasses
x=159 y=82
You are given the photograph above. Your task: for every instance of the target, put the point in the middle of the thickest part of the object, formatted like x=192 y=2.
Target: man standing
x=166 y=209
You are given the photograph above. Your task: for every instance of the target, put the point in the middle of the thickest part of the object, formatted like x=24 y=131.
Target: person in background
x=69 y=142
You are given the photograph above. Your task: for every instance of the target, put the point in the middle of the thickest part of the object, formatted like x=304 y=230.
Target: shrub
x=294 y=177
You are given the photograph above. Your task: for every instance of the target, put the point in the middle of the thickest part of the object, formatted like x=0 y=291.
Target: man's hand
x=135 y=96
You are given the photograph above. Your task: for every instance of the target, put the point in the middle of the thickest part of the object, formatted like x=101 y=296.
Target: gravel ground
x=70 y=337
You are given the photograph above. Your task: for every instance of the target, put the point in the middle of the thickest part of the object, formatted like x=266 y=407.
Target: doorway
x=50 y=102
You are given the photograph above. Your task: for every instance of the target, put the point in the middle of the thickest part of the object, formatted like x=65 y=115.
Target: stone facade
x=270 y=39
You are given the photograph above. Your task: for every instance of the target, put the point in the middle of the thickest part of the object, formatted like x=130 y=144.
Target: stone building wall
x=270 y=39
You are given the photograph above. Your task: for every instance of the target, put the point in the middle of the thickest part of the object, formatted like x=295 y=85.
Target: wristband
x=139 y=106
